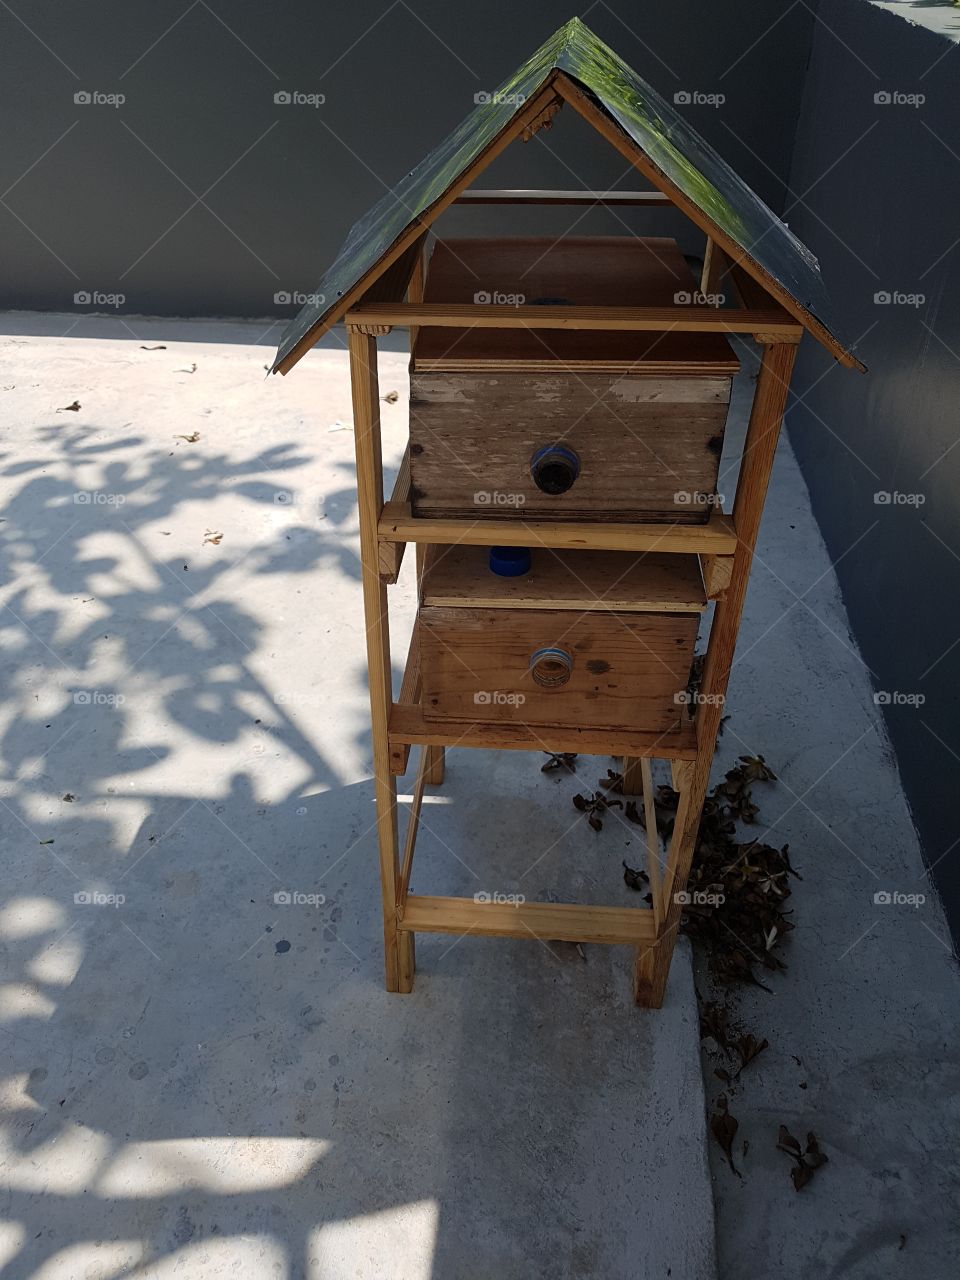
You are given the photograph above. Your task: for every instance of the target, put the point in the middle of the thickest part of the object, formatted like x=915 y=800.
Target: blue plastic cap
x=509 y=562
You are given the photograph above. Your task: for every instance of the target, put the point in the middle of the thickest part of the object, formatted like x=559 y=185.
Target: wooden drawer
x=623 y=628
x=625 y=670
x=638 y=417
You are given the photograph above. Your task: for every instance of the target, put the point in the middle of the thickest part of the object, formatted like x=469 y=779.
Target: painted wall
x=875 y=191
x=201 y=195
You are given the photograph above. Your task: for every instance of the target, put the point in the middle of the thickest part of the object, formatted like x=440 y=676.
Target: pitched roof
x=601 y=86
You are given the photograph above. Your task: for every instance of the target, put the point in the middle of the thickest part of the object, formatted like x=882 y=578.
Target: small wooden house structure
x=583 y=420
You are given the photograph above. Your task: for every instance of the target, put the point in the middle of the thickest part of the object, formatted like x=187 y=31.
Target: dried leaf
x=724 y=1128
x=70 y=408
x=635 y=879
x=748 y=1047
x=192 y=369
x=215 y=538
x=787 y=1142
x=192 y=438
x=161 y=347
x=68 y=797
x=565 y=760
x=801 y=1175
x=634 y=814
x=612 y=782
x=392 y=397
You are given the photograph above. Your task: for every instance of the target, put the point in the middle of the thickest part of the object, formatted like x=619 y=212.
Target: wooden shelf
x=408 y=726
x=715 y=537
x=560 y=921
x=582 y=580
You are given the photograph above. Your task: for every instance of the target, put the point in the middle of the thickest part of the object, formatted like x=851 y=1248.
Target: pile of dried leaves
x=737 y=889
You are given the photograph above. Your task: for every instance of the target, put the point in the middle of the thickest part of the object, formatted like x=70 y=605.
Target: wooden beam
x=759 y=449
x=390 y=554
x=413 y=824
x=549 y=921
x=654 y=868
x=622 y=198
x=716 y=571
x=715 y=537
x=409 y=696
x=471 y=315
x=409 y=725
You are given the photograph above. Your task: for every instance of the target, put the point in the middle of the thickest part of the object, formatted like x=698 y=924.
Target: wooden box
x=566 y=424
x=585 y=639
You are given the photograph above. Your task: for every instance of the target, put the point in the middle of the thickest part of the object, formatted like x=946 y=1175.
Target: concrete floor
x=198 y=1080
x=202 y=1081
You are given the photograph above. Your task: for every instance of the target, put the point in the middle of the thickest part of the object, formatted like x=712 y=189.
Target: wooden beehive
x=637 y=418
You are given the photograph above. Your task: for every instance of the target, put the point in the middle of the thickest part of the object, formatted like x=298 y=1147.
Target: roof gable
x=636 y=119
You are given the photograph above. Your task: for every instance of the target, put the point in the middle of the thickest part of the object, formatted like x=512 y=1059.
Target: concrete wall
x=200 y=196
x=875 y=192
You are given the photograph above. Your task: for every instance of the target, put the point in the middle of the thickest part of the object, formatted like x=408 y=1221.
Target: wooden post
x=759 y=448
x=398 y=948
x=436 y=756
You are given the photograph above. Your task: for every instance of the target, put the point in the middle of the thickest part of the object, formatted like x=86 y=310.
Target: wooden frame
x=725 y=545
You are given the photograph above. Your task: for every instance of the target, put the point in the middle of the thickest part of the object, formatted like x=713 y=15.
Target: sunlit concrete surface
x=199 y=1078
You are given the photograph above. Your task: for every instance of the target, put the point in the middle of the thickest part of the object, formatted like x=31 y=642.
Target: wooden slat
x=460 y=576
x=408 y=725
x=409 y=696
x=716 y=537
x=529 y=196
x=563 y=922
x=682 y=319
x=413 y=823
x=654 y=869
x=716 y=571
x=390 y=554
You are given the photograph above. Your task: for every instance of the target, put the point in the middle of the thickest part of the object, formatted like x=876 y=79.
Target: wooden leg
x=759 y=448
x=436 y=766
x=630 y=767
x=398 y=957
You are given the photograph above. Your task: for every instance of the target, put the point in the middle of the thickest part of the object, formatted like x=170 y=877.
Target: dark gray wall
x=876 y=192
x=106 y=198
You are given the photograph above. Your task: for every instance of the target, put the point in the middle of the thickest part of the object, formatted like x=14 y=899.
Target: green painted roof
x=648 y=120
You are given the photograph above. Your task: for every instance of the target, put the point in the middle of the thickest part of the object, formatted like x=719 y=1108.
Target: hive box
x=603 y=639
x=566 y=424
